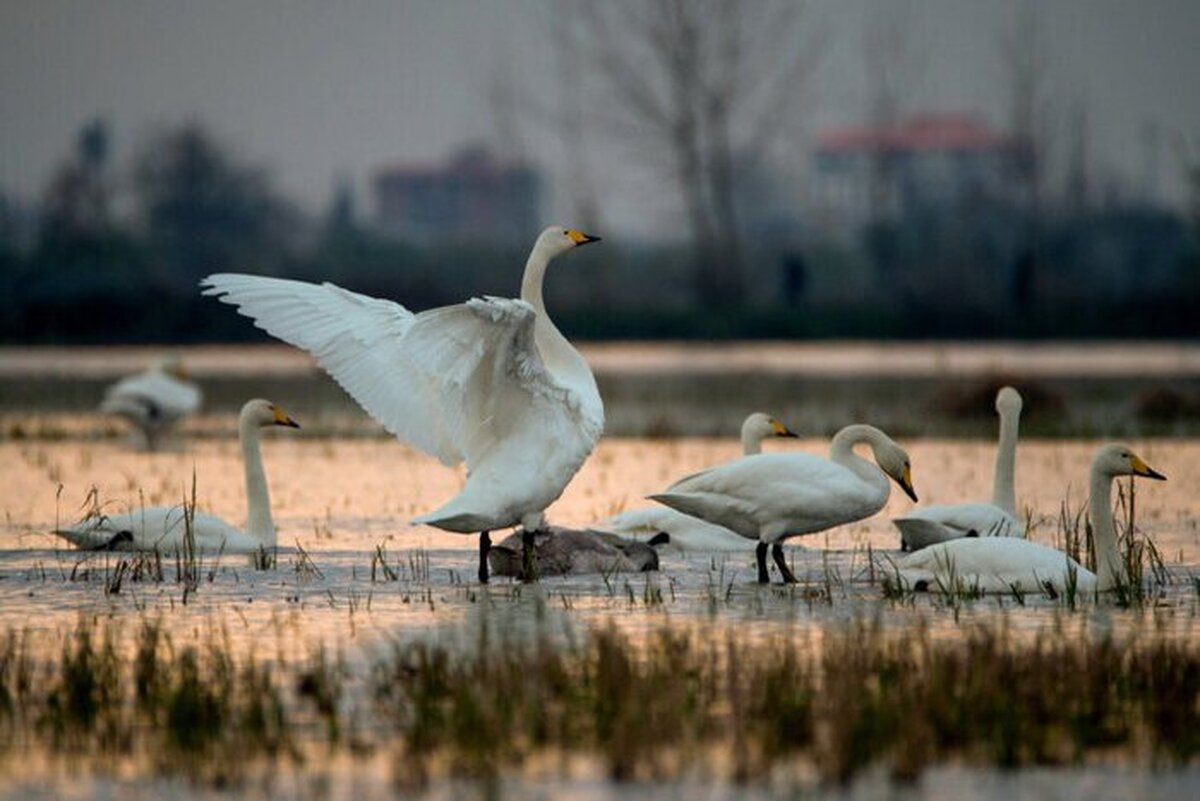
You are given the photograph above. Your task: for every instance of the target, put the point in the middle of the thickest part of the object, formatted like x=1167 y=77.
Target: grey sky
x=318 y=89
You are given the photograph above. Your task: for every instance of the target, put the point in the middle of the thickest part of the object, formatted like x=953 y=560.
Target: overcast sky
x=315 y=89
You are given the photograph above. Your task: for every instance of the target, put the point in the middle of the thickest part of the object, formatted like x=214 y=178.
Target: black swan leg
x=485 y=545
x=781 y=563
x=529 y=571
x=761 y=553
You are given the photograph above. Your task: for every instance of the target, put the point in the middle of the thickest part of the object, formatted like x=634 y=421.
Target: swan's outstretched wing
x=171 y=396
x=442 y=380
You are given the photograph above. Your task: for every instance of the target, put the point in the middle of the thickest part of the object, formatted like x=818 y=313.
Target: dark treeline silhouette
x=115 y=256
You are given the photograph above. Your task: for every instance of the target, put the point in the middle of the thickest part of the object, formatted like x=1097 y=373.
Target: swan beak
x=783 y=431
x=905 y=482
x=282 y=419
x=1144 y=470
x=580 y=238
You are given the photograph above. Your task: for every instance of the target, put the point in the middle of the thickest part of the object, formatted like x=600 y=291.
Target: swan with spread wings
x=490 y=382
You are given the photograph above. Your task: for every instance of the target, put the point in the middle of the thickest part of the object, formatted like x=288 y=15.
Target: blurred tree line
x=115 y=256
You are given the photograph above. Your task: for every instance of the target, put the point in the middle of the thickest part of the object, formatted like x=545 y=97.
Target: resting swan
x=562 y=551
x=490 y=382
x=153 y=401
x=163 y=528
x=689 y=533
x=932 y=524
x=774 y=496
x=1002 y=564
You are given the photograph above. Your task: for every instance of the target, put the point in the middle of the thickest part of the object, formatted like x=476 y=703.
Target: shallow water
x=341 y=505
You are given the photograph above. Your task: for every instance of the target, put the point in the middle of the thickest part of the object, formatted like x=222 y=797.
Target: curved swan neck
x=841 y=447
x=258 y=497
x=1110 y=570
x=1004 y=493
x=752 y=440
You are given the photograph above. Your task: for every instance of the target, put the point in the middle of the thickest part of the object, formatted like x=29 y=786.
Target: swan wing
x=993 y=564
x=159 y=528
x=446 y=380
x=791 y=493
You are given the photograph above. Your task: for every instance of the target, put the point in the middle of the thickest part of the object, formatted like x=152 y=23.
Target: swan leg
x=777 y=554
x=761 y=553
x=529 y=569
x=485 y=545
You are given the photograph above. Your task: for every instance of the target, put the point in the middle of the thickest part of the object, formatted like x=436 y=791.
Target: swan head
x=557 y=240
x=760 y=426
x=1120 y=460
x=894 y=462
x=1008 y=401
x=263 y=413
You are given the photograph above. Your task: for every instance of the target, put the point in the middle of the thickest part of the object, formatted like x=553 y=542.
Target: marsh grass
x=701 y=702
x=684 y=703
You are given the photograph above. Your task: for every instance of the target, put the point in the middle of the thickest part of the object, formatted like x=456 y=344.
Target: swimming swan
x=771 y=497
x=1002 y=564
x=927 y=525
x=153 y=401
x=689 y=533
x=490 y=382
x=163 y=528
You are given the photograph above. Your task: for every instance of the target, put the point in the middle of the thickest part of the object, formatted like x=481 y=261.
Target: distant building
x=933 y=161
x=470 y=198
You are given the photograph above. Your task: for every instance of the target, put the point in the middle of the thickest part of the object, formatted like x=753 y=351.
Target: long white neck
x=559 y=357
x=1110 y=570
x=259 y=524
x=841 y=450
x=531 y=281
x=752 y=440
x=1004 y=493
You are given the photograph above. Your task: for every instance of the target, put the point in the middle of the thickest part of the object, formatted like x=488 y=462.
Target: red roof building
x=931 y=161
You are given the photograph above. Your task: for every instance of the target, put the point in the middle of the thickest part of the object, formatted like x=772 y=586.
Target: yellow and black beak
x=905 y=482
x=282 y=418
x=783 y=431
x=580 y=238
x=1144 y=470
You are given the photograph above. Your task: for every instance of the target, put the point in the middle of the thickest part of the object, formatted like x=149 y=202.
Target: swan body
x=561 y=552
x=771 y=497
x=163 y=528
x=1002 y=564
x=490 y=382
x=928 y=525
x=153 y=401
x=689 y=533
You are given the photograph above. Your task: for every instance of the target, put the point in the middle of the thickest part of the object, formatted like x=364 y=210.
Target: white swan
x=1002 y=564
x=689 y=533
x=490 y=382
x=163 y=528
x=153 y=401
x=773 y=496
x=932 y=524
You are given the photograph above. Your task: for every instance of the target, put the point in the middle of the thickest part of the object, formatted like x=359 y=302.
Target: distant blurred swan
x=689 y=533
x=932 y=524
x=153 y=401
x=771 y=497
x=490 y=382
x=163 y=528
x=1005 y=564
